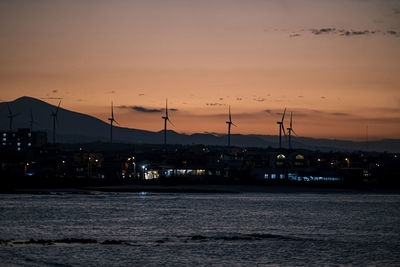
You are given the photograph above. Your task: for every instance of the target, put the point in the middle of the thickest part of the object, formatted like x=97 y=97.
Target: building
x=22 y=140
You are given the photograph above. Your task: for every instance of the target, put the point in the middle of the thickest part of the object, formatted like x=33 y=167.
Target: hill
x=74 y=127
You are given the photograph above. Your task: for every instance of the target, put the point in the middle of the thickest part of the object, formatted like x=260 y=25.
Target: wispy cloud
x=51 y=98
x=294 y=35
x=259 y=99
x=323 y=31
x=344 y=32
x=146 y=110
x=214 y=104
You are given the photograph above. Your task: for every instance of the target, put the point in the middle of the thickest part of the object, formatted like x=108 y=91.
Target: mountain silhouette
x=74 y=127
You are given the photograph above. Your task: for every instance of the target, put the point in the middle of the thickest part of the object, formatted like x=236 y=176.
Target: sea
x=191 y=229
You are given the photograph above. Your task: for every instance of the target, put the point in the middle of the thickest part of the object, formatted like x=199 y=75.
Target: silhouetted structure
x=31 y=122
x=229 y=122
x=290 y=131
x=54 y=115
x=281 y=128
x=166 y=118
x=10 y=116
x=112 y=120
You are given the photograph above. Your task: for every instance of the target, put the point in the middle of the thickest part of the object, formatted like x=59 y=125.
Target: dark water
x=200 y=229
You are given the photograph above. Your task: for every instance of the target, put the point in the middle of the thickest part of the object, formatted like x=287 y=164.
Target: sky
x=334 y=64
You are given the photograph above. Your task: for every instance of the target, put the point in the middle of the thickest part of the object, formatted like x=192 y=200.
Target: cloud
x=300 y=96
x=238 y=98
x=214 y=104
x=146 y=110
x=54 y=91
x=141 y=94
x=340 y=114
x=323 y=97
x=259 y=99
x=323 y=31
x=341 y=32
x=348 y=33
x=51 y=98
x=273 y=112
x=345 y=32
x=221 y=99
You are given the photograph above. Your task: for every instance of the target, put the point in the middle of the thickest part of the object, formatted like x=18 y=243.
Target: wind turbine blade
x=294 y=132
x=283 y=129
x=230 y=116
x=283 y=116
x=291 y=120
x=58 y=107
x=112 y=110
x=234 y=124
x=116 y=122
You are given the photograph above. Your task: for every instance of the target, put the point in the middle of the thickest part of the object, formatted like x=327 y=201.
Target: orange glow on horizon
x=335 y=65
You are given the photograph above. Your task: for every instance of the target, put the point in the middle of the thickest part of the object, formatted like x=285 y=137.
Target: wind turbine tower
x=112 y=120
x=166 y=118
x=290 y=131
x=54 y=115
x=230 y=123
x=31 y=122
x=10 y=117
x=281 y=128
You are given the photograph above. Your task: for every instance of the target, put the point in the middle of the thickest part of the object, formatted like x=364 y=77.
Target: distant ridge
x=74 y=127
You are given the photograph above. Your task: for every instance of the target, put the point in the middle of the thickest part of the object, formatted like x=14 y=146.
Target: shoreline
x=201 y=189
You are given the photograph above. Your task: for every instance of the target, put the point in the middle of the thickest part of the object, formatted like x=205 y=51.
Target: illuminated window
x=18 y=144
x=299 y=156
x=4 y=134
x=4 y=139
x=29 y=144
x=29 y=134
x=19 y=149
x=280 y=156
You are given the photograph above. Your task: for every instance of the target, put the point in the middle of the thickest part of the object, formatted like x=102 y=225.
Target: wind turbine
x=290 y=131
x=281 y=127
x=230 y=123
x=31 y=122
x=54 y=115
x=111 y=122
x=166 y=118
x=10 y=116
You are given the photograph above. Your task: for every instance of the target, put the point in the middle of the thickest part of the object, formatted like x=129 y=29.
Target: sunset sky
x=334 y=64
